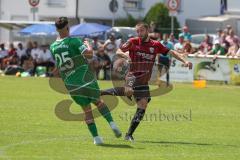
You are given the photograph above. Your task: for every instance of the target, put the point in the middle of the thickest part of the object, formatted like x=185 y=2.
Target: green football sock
x=106 y=113
x=93 y=129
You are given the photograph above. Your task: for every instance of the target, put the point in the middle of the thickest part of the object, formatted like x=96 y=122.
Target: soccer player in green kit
x=71 y=57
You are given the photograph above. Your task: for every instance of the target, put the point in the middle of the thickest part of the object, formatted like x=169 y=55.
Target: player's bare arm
x=122 y=54
x=177 y=55
x=125 y=46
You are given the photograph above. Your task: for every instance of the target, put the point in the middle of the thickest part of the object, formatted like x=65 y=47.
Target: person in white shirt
x=111 y=45
x=3 y=54
x=46 y=55
x=179 y=46
x=44 y=59
x=218 y=35
x=35 y=52
x=21 y=53
x=3 y=51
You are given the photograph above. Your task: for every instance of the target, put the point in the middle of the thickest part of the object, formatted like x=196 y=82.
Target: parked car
x=123 y=32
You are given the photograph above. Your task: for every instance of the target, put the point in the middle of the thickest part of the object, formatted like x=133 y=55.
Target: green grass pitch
x=207 y=128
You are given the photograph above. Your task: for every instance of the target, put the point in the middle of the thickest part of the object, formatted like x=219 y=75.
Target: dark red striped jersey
x=143 y=56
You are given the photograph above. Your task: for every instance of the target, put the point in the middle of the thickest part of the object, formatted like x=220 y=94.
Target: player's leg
x=142 y=97
x=85 y=102
x=117 y=91
x=122 y=91
x=138 y=116
x=94 y=97
x=91 y=125
x=105 y=112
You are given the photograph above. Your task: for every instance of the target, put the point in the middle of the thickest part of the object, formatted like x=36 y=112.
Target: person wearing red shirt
x=142 y=54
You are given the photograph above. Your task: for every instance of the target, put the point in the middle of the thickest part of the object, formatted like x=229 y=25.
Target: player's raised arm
x=177 y=55
x=126 y=46
x=164 y=50
x=88 y=53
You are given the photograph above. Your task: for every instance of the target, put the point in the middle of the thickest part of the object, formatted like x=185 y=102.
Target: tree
x=129 y=21
x=159 y=14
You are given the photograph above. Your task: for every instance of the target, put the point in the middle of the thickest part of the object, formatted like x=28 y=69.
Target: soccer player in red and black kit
x=142 y=53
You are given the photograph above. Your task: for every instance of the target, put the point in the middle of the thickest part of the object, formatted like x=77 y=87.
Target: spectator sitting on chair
x=11 y=50
x=228 y=29
x=232 y=37
x=217 y=50
x=223 y=42
x=44 y=59
x=232 y=51
x=187 y=49
x=11 y=54
x=205 y=45
x=179 y=46
x=29 y=48
x=35 y=52
x=13 y=61
x=219 y=34
x=21 y=53
x=3 y=54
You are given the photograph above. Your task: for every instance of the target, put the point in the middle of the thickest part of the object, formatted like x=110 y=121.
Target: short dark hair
x=61 y=22
x=143 y=24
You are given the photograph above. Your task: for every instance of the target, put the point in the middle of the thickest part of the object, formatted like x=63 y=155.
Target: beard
x=143 y=38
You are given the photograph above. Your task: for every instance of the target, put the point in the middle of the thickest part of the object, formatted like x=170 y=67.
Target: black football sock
x=117 y=91
x=136 y=120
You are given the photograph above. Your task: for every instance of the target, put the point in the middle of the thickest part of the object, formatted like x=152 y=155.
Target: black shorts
x=140 y=92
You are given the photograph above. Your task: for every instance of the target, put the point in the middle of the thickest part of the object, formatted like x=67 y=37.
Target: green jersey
x=75 y=71
x=72 y=65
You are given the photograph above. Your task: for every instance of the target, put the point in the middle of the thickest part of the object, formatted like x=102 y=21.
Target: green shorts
x=84 y=94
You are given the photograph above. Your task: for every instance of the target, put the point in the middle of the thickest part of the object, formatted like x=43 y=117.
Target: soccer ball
x=120 y=67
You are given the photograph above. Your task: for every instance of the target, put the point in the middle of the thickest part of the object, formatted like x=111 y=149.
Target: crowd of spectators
x=25 y=58
x=30 y=56
x=224 y=43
